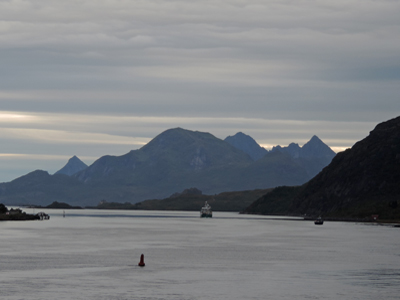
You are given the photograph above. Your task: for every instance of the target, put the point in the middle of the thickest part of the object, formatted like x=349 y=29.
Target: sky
x=93 y=78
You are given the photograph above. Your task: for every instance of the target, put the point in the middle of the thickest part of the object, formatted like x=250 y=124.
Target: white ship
x=206 y=211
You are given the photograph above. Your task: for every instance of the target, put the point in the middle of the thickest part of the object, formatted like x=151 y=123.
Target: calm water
x=93 y=254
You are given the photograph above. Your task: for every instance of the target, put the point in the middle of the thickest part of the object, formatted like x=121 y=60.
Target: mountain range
x=173 y=161
x=313 y=156
x=359 y=182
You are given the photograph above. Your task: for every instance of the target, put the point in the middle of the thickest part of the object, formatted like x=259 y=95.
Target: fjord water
x=92 y=254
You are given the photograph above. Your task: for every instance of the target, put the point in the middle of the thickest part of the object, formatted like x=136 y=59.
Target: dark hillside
x=276 y=202
x=358 y=183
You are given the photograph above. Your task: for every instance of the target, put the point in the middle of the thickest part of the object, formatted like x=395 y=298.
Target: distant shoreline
x=393 y=223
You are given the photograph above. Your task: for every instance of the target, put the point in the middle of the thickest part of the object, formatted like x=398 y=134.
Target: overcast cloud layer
x=91 y=78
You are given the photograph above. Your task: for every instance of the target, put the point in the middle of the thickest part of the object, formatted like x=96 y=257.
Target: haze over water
x=93 y=254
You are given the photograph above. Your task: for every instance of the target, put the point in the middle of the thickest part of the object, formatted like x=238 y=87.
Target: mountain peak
x=315 y=139
x=247 y=144
x=73 y=166
x=240 y=135
x=177 y=138
x=316 y=148
x=33 y=176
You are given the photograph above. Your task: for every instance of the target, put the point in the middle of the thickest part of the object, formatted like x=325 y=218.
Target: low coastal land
x=15 y=214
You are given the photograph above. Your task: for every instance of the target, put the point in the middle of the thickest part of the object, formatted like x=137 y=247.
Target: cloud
x=64 y=137
x=16 y=118
x=102 y=77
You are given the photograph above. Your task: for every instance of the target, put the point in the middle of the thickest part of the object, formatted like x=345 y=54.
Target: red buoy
x=141 y=264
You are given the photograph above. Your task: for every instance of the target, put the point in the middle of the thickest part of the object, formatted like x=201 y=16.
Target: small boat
x=42 y=216
x=319 y=221
x=205 y=211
